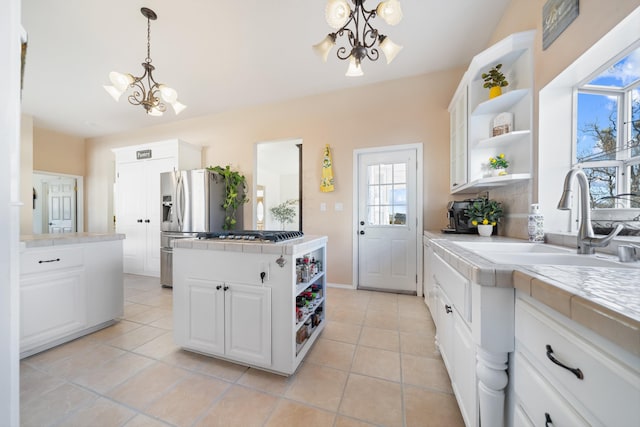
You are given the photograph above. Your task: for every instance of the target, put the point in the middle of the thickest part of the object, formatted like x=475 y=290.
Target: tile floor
x=375 y=364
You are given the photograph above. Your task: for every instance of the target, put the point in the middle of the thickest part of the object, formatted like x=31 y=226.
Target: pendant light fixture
x=151 y=95
x=364 y=40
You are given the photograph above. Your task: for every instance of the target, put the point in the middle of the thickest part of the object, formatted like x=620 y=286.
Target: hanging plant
x=235 y=185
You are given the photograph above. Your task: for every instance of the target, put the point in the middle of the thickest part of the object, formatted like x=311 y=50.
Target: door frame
x=79 y=195
x=419 y=206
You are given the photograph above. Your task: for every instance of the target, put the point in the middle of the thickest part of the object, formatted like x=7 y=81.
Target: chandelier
x=362 y=36
x=151 y=95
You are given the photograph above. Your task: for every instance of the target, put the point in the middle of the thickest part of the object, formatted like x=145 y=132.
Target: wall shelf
x=489 y=183
x=500 y=103
x=504 y=140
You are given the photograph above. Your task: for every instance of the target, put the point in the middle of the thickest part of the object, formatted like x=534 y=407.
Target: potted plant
x=285 y=212
x=499 y=164
x=494 y=80
x=235 y=185
x=485 y=214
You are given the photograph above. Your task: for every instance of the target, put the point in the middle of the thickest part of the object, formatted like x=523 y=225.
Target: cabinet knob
x=547 y=420
x=361 y=222
x=361 y=231
x=448 y=308
x=226 y=288
x=576 y=371
x=219 y=287
x=147 y=221
x=139 y=220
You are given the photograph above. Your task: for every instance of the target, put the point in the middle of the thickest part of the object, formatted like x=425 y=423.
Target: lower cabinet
x=564 y=374
x=67 y=291
x=229 y=319
x=52 y=305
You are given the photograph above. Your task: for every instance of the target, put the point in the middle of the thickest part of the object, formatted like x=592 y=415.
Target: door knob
x=361 y=231
x=147 y=221
x=140 y=221
x=361 y=222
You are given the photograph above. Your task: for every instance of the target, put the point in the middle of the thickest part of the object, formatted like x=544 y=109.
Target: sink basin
x=511 y=248
x=552 y=259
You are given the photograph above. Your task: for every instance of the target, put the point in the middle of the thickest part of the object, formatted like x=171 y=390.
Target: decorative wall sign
x=143 y=154
x=556 y=17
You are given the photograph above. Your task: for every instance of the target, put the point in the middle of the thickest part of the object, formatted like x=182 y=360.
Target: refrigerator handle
x=180 y=200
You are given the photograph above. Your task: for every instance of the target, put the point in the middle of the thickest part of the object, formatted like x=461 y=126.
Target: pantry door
x=388 y=224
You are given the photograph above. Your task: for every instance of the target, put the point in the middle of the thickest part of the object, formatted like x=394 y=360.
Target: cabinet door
x=248 y=323
x=444 y=330
x=205 y=322
x=464 y=359
x=458 y=140
x=52 y=305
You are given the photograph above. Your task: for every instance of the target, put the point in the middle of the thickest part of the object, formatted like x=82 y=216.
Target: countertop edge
x=290 y=247
x=611 y=324
x=45 y=240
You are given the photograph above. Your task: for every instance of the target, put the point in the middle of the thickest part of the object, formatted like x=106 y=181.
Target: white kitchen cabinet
x=137 y=198
x=224 y=307
x=472 y=114
x=599 y=384
x=474 y=333
x=67 y=291
x=229 y=319
x=428 y=280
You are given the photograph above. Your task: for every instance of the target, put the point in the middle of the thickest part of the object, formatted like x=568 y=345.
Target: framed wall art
x=556 y=17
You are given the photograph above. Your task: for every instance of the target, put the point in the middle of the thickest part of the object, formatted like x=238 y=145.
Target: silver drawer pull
x=448 y=308
x=48 y=260
x=576 y=371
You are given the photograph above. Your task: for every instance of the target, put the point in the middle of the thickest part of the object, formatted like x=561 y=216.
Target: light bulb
x=354 y=69
x=324 y=47
x=389 y=48
x=178 y=107
x=337 y=13
x=168 y=94
x=120 y=81
x=390 y=11
x=154 y=112
x=113 y=91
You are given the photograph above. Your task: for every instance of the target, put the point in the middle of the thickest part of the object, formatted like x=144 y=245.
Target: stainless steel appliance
x=261 y=236
x=191 y=203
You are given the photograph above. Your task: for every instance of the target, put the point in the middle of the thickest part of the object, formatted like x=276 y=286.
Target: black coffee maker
x=458 y=221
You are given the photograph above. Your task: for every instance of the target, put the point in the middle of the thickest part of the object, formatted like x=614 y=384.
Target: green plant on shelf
x=484 y=211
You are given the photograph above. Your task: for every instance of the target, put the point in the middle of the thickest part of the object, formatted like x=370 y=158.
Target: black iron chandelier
x=364 y=40
x=151 y=95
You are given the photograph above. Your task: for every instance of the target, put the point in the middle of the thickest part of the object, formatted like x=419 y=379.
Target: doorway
x=388 y=218
x=57 y=203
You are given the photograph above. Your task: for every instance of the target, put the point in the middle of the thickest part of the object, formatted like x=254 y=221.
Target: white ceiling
x=219 y=55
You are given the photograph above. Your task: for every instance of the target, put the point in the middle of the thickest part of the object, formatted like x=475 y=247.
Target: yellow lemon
x=501 y=156
x=493 y=223
x=474 y=222
x=485 y=221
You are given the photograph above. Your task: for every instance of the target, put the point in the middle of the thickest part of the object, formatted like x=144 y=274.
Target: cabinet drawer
x=538 y=398
x=39 y=260
x=610 y=388
x=455 y=285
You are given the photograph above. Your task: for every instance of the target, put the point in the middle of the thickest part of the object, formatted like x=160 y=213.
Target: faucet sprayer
x=587 y=242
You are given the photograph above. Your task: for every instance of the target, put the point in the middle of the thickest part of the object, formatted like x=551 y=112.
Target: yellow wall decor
x=326 y=183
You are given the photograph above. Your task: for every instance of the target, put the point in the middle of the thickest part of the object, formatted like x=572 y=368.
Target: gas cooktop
x=262 y=236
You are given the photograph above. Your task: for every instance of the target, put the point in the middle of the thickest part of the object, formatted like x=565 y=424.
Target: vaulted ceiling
x=219 y=55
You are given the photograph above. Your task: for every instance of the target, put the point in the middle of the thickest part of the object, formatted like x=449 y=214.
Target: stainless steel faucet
x=587 y=242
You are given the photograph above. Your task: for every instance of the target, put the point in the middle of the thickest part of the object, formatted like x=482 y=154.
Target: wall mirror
x=277 y=198
x=57 y=203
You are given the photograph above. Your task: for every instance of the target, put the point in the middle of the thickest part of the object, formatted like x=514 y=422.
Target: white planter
x=485 y=230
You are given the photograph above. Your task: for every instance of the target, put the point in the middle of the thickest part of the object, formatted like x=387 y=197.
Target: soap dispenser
x=535 y=224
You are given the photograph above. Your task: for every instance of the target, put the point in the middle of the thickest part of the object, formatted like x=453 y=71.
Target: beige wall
x=58 y=152
x=406 y=111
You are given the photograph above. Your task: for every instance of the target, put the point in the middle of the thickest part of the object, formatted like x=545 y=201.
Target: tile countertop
x=605 y=300
x=288 y=247
x=41 y=240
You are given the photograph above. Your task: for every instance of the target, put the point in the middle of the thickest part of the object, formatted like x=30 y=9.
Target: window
x=387 y=188
x=608 y=134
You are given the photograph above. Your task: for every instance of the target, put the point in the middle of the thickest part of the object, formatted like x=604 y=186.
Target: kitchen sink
x=512 y=248
x=539 y=254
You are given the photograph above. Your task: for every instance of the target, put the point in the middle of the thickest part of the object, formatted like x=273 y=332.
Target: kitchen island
x=71 y=284
x=536 y=343
x=256 y=303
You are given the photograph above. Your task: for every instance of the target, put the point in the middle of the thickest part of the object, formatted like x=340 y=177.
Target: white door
x=61 y=200
x=387 y=220
x=130 y=215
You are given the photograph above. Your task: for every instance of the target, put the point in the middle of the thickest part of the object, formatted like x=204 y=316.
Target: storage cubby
x=515 y=55
x=309 y=298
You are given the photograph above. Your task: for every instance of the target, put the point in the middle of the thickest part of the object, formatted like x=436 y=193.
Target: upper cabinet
x=473 y=118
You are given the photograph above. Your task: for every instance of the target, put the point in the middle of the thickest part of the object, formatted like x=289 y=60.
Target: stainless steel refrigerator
x=191 y=203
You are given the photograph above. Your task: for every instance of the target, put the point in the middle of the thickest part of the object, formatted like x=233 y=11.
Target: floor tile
x=355 y=317
x=231 y=409
x=34 y=383
x=289 y=413
x=158 y=347
x=266 y=381
x=381 y=320
x=419 y=345
x=380 y=338
x=339 y=331
x=101 y=413
x=377 y=363
x=188 y=400
x=425 y=372
x=136 y=337
x=149 y=316
x=55 y=405
x=113 y=331
x=56 y=354
x=342 y=421
x=318 y=385
x=424 y=408
x=84 y=362
x=163 y=323
x=146 y=386
x=373 y=400
x=330 y=353
x=142 y=420
x=111 y=374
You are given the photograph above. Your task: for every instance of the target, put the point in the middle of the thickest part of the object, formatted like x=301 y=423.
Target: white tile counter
x=40 y=240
